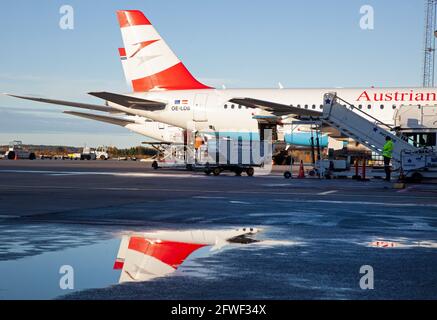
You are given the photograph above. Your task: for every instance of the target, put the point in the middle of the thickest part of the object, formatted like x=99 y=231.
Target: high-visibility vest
x=198 y=142
x=387 y=151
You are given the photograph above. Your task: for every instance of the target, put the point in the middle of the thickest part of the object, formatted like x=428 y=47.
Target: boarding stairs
x=370 y=132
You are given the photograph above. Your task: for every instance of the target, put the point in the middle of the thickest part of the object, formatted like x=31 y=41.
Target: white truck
x=93 y=154
x=16 y=151
x=102 y=153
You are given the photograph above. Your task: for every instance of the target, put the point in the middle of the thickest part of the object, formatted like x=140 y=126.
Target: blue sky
x=238 y=43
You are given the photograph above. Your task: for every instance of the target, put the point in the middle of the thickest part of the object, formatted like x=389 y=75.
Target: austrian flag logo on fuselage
x=410 y=96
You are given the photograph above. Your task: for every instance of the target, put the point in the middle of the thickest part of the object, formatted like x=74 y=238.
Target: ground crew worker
x=198 y=142
x=387 y=153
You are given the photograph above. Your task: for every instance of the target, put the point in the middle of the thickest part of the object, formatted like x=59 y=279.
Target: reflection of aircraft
x=146 y=256
x=165 y=91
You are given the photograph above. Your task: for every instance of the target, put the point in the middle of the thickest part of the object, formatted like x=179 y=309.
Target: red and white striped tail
x=150 y=65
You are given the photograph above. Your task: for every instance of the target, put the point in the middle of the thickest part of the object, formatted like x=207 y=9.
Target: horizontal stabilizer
x=69 y=104
x=111 y=120
x=275 y=108
x=130 y=102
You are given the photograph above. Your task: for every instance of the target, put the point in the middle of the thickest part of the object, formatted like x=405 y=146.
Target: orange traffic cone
x=301 y=171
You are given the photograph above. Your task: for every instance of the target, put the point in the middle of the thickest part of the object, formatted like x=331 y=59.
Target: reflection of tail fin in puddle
x=142 y=257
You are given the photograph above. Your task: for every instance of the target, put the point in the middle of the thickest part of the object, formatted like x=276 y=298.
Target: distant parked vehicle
x=94 y=154
x=74 y=156
x=102 y=153
x=88 y=154
x=16 y=151
x=44 y=156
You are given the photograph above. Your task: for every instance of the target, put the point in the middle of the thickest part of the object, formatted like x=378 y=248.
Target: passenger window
x=226 y=106
x=239 y=106
x=381 y=106
x=394 y=106
x=298 y=105
x=306 y=106
x=321 y=106
x=369 y=107
x=360 y=106
x=314 y=106
x=232 y=106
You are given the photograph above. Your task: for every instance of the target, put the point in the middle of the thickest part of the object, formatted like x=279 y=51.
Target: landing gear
x=155 y=165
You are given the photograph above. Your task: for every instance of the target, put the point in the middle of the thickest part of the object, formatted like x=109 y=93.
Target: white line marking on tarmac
x=239 y=202
x=8 y=217
x=327 y=192
x=116 y=174
x=386 y=204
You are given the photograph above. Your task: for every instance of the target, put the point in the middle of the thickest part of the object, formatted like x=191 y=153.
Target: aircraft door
x=199 y=113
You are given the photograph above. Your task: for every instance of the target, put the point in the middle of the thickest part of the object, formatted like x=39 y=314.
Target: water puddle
x=129 y=257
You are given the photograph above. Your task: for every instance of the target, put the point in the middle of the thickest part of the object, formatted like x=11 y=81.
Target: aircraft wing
x=130 y=102
x=69 y=104
x=111 y=120
x=275 y=108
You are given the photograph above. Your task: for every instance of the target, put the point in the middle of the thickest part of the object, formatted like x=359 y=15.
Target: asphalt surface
x=317 y=234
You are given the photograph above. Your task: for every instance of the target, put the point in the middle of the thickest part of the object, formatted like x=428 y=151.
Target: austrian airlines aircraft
x=165 y=91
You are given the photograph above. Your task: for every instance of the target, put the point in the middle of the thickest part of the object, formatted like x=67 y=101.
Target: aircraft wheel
x=250 y=171
x=32 y=156
x=287 y=175
x=155 y=165
x=11 y=155
x=208 y=172
x=238 y=172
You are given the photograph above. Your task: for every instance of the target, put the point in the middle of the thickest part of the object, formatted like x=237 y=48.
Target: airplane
x=161 y=133
x=165 y=91
x=145 y=256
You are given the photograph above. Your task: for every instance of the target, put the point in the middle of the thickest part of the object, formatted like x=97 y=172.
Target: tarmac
x=316 y=236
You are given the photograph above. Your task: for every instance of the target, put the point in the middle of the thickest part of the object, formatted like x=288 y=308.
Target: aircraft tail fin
x=150 y=65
